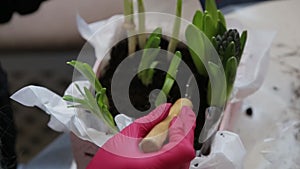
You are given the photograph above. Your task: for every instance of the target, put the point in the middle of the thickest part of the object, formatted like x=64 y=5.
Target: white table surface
x=270 y=133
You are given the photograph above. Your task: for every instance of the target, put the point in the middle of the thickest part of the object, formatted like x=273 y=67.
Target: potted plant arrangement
x=229 y=45
x=209 y=25
x=208 y=55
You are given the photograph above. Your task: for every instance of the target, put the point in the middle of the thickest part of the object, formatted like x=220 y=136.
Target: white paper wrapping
x=62 y=118
x=227 y=152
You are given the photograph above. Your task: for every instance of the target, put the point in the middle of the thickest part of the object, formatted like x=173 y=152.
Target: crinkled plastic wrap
x=227 y=150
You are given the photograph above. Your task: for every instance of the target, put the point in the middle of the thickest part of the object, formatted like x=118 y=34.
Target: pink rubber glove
x=122 y=150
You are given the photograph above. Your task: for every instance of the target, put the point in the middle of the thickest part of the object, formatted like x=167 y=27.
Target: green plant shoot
x=170 y=79
x=142 y=36
x=176 y=28
x=195 y=42
x=228 y=43
x=129 y=25
x=98 y=104
x=147 y=64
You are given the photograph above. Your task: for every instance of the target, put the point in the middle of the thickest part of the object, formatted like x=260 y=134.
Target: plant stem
x=150 y=52
x=170 y=79
x=142 y=37
x=176 y=28
x=129 y=25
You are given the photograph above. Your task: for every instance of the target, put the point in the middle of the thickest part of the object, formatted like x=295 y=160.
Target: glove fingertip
x=187 y=113
x=183 y=125
x=176 y=130
x=146 y=123
x=158 y=114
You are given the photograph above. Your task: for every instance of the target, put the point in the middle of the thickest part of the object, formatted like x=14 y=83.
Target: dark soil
x=139 y=94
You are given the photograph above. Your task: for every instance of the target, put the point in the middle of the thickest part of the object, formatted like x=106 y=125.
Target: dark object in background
x=8 y=158
x=223 y=3
x=8 y=7
x=249 y=112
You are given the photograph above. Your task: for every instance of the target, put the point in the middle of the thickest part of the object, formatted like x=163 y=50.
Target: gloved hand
x=122 y=150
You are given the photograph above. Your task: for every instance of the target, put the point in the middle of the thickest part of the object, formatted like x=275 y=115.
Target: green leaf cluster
x=148 y=63
x=211 y=21
x=153 y=42
x=96 y=104
x=227 y=43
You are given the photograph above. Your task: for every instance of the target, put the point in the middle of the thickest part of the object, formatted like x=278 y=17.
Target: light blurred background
x=36 y=41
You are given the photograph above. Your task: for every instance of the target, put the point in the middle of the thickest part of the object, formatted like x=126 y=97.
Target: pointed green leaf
x=211 y=8
x=101 y=112
x=87 y=72
x=196 y=47
x=243 y=39
x=152 y=42
x=221 y=29
x=149 y=55
x=230 y=71
x=214 y=42
x=156 y=33
x=218 y=93
x=152 y=66
x=170 y=78
x=208 y=97
x=243 y=42
x=209 y=27
x=174 y=64
x=90 y=97
x=100 y=96
x=78 y=88
x=147 y=75
x=221 y=18
x=230 y=50
x=166 y=89
x=214 y=69
x=155 y=43
x=198 y=19
x=70 y=98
